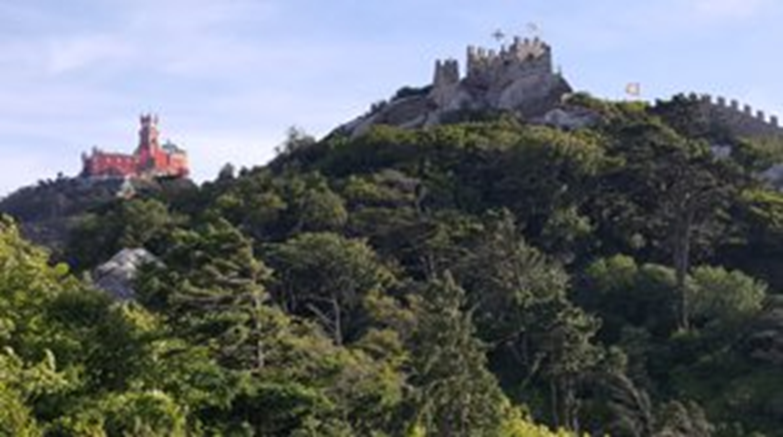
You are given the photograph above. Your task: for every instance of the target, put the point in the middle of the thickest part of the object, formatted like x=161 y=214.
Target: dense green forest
x=483 y=278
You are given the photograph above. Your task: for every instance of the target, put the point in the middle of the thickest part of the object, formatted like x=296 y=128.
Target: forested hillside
x=468 y=279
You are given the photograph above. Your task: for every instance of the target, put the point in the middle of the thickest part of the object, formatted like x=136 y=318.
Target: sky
x=229 y=77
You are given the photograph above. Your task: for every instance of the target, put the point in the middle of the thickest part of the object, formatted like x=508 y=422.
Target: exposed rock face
x=117 y=275
x=518 y=78
x=568 y=118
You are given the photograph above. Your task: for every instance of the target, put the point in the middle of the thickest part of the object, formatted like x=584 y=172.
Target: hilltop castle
x=150 y=159
x=518 y=77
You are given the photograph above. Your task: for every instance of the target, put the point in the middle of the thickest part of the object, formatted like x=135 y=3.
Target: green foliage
x=213 y=286
x=308 y=297
x=321 y=210
x=143 y=414
x=457 y=395
x=684 y=419
x=625 y=294
x=134 y=223
x=326 y=276
x=407 y=91
x=721 y=296
x=20 y=384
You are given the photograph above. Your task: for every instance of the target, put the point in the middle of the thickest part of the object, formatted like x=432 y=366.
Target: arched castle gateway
x=150 y=159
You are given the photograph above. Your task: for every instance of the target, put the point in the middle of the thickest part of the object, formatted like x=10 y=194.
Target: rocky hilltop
x=518 y=78
x=49 y=210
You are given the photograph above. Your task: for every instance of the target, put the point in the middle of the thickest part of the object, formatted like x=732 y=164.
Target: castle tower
x=148 y=154
x=148 y=134
x=446 y=73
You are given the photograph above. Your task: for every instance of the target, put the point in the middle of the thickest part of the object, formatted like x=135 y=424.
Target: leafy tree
x=626 y=294
x=457 y=395
x=622 y=408
x=213 y=286
x=144 y=414
x=295 y=139
x=320 y=210
x=568 y=355
x=676 y=193
x=680 y=419
x=325 y=276
x=506 y=280
x=691 y=196
x=545 y=171
x=719 y=296
x=127 y=224
x=28 y=285
x=20 y=384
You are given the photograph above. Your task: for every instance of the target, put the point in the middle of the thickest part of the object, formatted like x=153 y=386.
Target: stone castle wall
x=446 y=73
x=523 y=58
x=742 y=120
x=487 y=67
x=518 y=78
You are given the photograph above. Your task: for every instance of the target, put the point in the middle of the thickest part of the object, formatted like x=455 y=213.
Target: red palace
x=149 y=160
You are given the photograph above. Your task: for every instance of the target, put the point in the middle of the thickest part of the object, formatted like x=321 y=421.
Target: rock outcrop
x=518 y=78
x=117 y=275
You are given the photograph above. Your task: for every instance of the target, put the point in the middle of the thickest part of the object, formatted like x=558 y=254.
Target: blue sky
x=228 y=77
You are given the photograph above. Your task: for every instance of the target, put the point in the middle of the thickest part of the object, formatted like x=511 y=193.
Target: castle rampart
x=742 y=119
x=517 y=77
x=485 y=67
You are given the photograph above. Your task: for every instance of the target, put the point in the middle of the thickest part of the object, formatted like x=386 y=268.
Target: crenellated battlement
x=446 y=73
x=521 y=53
x=148 y=119
x=488 y=67
x=517 y=78
x=742 y=119
x=723 y=104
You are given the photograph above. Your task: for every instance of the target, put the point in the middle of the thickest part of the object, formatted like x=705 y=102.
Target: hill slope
x=616 y=277
x=606 y=267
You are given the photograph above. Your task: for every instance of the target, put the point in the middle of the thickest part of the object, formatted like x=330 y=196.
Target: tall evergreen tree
x=213 y=287
x=458 y=396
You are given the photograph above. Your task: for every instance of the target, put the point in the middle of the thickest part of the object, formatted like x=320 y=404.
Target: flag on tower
x=633 y=89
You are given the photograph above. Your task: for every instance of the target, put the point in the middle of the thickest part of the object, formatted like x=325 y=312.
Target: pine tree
x=214 y=287
x=458 y=395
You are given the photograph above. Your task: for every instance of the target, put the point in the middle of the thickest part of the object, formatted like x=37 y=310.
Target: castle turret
x=446 y=73
x=148 y=133
x=524 y=57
